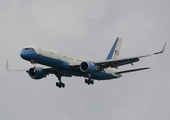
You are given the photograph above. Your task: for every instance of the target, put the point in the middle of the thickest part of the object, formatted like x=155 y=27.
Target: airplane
x=66 y=65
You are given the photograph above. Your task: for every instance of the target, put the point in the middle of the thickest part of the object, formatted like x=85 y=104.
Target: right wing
x=47 y=71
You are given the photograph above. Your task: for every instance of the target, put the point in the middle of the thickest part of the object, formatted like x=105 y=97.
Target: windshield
x=28 y=49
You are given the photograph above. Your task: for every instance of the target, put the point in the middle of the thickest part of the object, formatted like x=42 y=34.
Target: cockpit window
x=28 y=49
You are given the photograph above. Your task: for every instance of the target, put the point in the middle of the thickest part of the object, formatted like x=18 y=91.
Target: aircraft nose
x=27 y=54
x=23 y=54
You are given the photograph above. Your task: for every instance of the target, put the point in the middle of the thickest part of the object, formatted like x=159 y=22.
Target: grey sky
x=87 y=28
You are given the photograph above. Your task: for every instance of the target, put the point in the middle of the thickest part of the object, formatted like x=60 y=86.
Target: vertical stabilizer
x=115 y=50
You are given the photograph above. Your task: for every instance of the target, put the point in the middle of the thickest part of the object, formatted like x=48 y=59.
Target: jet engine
x=36 y=73
x=88 y=67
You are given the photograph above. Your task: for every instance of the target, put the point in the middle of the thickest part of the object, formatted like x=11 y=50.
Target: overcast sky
x=87 y=28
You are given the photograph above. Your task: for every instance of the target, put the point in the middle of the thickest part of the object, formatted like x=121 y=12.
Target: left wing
x=119 y=62
x=115 y=63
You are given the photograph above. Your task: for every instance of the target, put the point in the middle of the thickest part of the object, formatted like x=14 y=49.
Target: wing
x=46 y=70
x=119 y=62
x=115 y=63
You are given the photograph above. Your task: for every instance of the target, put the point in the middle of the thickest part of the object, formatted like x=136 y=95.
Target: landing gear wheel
x=92 y=82
x=60 y=84
x=57 y=84
x=63 y=85
x=89 y=81
x=86 y=81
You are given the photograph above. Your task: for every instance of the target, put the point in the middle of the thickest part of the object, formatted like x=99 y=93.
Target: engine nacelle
x=88 y=67
x=36 y=73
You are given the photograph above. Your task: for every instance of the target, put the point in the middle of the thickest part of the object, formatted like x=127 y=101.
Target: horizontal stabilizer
x=132 y=70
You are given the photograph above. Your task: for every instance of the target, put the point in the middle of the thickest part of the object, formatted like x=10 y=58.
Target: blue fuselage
x=59 y=65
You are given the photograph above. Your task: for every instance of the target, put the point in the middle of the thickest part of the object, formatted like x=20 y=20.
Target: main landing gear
x=62 y=85
x=59 y=84
x=89 y=81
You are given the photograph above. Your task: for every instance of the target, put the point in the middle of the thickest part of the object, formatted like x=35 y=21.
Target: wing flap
x=116 y=62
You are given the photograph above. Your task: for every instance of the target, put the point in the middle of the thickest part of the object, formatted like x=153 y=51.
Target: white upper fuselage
x=47 y=52
x=54 y=59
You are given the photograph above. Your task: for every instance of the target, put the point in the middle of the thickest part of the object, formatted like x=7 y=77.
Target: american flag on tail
x=117 y=52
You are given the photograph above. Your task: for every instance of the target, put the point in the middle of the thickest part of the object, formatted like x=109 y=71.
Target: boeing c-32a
x=62 y=64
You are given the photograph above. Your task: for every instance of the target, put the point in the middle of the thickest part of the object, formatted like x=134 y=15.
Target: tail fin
x=115 y=50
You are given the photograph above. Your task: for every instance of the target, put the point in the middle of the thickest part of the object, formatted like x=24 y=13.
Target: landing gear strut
x=59 y=84
x=33 y=63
